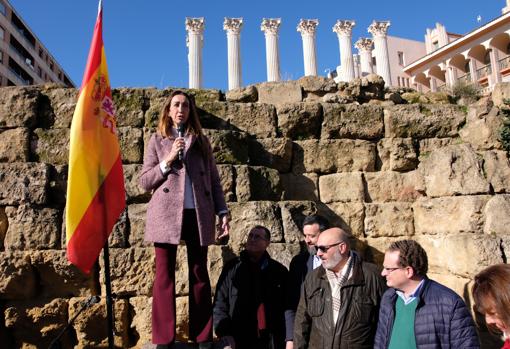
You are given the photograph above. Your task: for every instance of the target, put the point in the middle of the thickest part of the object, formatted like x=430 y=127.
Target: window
x=1 y=33
x=1 y=57
x=398 y=81
x=51 y=66
x=39 y=72
x=41 y=53
x=2 y=8
x=435 y=45
x=400 y=58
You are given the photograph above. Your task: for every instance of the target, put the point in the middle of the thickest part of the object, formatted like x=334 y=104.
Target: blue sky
x=145 y=39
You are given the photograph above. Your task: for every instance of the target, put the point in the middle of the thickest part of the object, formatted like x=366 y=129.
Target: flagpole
x=109 y=298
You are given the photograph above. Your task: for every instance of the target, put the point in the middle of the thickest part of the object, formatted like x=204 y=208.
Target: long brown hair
x=492 y=288
x=193 y=125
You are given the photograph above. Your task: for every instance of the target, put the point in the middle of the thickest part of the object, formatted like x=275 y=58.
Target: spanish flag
x=95 y=186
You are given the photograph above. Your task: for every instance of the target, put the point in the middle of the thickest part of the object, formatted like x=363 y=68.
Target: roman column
x=307 y=28
x=233 y=28
x=379 y=31
x=270 y=28
x=343 y=30
x=195 y=29
x=364 y=46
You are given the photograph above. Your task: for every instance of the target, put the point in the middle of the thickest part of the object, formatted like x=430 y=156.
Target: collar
x=413 y=295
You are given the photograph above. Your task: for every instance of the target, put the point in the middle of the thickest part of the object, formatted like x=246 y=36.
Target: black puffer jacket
x=357 y=320
x=442 y=319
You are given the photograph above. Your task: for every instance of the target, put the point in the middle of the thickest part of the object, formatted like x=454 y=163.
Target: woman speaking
x=180 y=170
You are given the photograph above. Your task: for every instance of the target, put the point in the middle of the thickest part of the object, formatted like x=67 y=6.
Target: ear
x=410 y=272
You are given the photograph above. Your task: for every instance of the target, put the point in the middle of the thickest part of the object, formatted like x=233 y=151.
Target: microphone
x=180 y=130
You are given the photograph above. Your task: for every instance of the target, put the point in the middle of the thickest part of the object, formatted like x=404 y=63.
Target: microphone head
x=180 y=127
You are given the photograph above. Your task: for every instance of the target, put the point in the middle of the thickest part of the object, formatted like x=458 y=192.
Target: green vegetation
x=462 y=90
x=504 y=132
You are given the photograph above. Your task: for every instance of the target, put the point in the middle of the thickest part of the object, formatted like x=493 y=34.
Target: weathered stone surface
x=415 y=97
x=293 y=213
x=14 y=145
x=300 y=186
x=58 y=278
x=181 y=271
x=497 y=218
x=204 y=95
x=394 y=97
x=133 y=191
x=299 y=120
x=90 y=328
x=248 y=214
x=271 y=152
x=449 y=215
x=229 y=147
x=257 y=183
x=501 y=92
x=317 y=85
x=497 y=169
x=397 y=154
x=352 y=121
x=463 y=255
x=19 y=106
x=387 y=186
x=132 y=271
x=32 y=228
x=182 y=319
x=156 y=99
x=131 y=144
x=283 y=253
x=280 y=92
x=329 y=156
x=452 y=171
x=482 y=131
x=57 y=105
x=35 y=324
x=438 y=97
x=130 y=105
x=4 y=224
x=343 y=187
x=244 y=94
x=226 y=173
x=57 y=189
x=423 y=121
x=17 y=277
x=140 y=313
x=429 y=145
x=364 y=89
x=50 y=145
x=389 y=219
x=119 y=236
x=136 y=216
x=346 y=215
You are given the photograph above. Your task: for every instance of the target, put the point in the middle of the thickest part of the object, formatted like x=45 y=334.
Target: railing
x=22 y=57
x=484 y=71
x=504 y=63
x=442 y=88
x=20 y=77
x=465 y=79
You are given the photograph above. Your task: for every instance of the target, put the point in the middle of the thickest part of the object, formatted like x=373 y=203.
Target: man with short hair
x=250 y=300
x=340 y=299
x=417 y=312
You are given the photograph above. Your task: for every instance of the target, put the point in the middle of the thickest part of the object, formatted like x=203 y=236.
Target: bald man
x=340 y=300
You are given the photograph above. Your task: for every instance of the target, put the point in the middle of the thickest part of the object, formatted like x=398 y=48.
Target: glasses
x=325 y=248
x=391 y=270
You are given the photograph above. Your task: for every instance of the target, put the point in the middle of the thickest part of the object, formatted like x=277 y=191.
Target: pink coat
x=165 y=209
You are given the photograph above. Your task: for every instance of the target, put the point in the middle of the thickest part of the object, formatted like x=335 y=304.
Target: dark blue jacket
x=442 y=319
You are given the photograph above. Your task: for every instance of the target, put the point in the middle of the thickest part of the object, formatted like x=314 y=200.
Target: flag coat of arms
x=95 y=187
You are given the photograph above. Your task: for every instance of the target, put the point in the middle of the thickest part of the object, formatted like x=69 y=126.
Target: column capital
x=364 y=44
x=270 y=25
x=307 y=26
x=344 y=27
x=233 y=25
x=195 y=25
x=379 y=28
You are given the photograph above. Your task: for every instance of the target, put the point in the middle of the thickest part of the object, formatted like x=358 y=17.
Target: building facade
x=23 y=58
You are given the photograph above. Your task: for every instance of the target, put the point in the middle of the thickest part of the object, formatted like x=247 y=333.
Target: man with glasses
x=417 y=312
x=250 y=300
x=340 y=300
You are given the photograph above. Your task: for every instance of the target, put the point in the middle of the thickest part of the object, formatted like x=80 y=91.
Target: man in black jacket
x=340 y=300
x=250 y=300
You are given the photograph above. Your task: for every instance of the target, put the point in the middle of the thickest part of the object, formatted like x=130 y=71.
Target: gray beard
x=312 y=250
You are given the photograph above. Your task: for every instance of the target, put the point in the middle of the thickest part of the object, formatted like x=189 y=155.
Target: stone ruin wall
x=374 y=164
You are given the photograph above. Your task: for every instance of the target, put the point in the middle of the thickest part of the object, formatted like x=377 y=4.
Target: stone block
x=257 y=183
x=300 y=186
x=397 y=154
x=423 y=121
x=318 y=85
x=497 y=219
x=140 y=313
x=130 y=105
x=280 y=92
x=389 y=219
x=283 y=253
x=17 y=276
x=32 y=228
x=271 y=152
x=347 y=215
x=352 y=121
x=119 y=235
x=386 y=186
x=450 y=215
x=330 y=156
x=50 y=145
x=58 y=278
x=136 y=216
x=134 y=194
x=427 y=146
x=227 y=179
x=438 y=97
x=19 y=106
x=497 y=169
x=455 y=170
x=156 y=99
x=182 y=319
x=57 y=189
x=482 y=132
x=131 y=144
x=90 y=326
x=242 y=95
x=14 y=145
x=23 y=183
x=299 y=120
x=501 y=92
x=132 y=271
x=343 y=187
x=4 y=224
x=57 y=105
x=229 y=147
x=293 y=213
